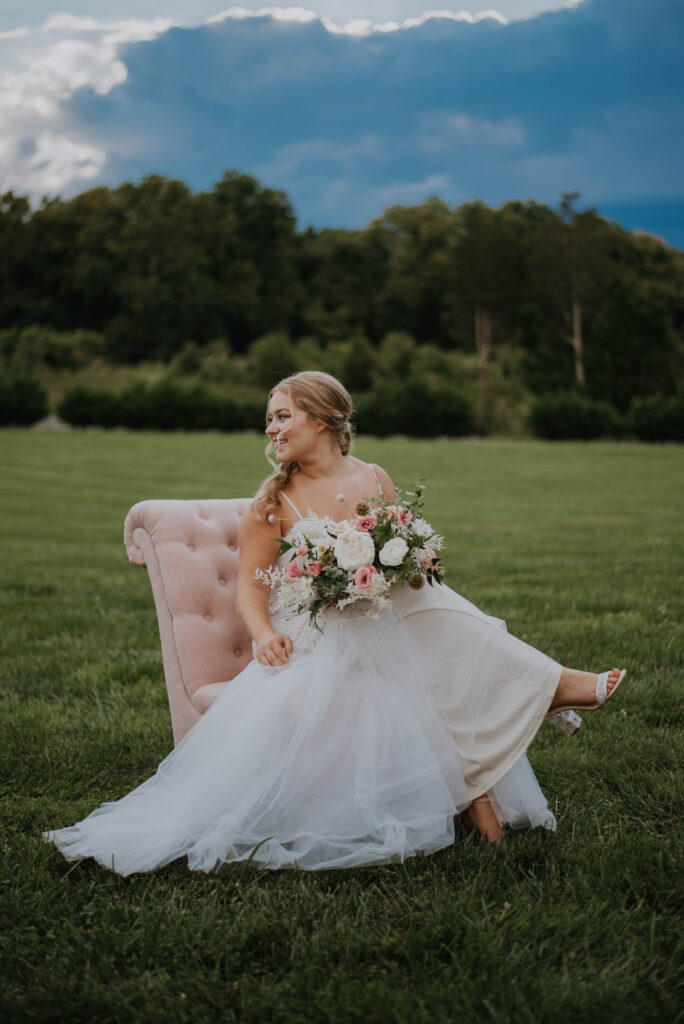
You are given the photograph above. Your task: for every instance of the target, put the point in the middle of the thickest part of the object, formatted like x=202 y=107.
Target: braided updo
x=322 y=398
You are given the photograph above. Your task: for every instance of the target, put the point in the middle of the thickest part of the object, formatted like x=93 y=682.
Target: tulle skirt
x=361 y=750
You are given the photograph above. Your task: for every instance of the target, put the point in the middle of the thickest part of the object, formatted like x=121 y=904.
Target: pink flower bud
x=363 y=577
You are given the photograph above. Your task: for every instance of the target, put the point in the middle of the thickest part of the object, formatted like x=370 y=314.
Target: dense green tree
x=342 y=275
x=417 y=241
x=248 y=233
x=565 y=298
x=15 y=258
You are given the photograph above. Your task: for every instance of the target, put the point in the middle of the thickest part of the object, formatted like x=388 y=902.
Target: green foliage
x=86 y=407
x=271 y=358
x=151 y=272
x=23 y=349
x=414 y=407
x=658 y=417
x=23 y=399
x=561 y=416
x=166 y=405
x=358 y=364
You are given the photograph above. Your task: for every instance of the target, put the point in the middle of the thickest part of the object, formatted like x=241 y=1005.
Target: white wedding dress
x=360 y=750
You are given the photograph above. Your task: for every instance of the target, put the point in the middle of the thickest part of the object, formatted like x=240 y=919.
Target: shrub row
x=162 y=406
x=568 y=415
x=571 y=416
x=658 y=419
x=414 y=407
x=23 y=400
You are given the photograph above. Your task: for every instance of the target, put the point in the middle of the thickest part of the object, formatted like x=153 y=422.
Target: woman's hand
x=274 y=649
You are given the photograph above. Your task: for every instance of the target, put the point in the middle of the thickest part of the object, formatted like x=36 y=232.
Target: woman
x=357 y=744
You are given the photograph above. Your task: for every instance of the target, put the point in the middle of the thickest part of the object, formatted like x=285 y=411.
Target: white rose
x=392 y=553
x=354 y=549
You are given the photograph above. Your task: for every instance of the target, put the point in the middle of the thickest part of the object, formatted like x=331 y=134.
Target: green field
x=578 y=546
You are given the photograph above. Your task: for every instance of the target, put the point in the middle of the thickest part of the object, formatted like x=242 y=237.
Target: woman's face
x=292 y=432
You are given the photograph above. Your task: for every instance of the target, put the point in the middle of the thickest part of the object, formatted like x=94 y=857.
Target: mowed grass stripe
x=578 y=547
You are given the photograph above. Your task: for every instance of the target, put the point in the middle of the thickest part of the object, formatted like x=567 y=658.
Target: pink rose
x=426 y=557
x=366 y=523
x=302 y=549
x=313 y=568
x=294 y=570
x=364 y=576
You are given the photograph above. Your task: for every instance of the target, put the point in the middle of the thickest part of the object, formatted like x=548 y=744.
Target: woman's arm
x=258 y=545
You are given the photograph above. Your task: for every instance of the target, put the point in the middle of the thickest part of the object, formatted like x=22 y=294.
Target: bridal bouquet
x=384 y=543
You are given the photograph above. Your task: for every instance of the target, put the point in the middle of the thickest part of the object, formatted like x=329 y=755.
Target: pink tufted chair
x=191 y=554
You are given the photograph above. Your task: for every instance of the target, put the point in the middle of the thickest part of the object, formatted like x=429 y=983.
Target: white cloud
x=13 y=33
x=451 y=16
x=39 y=153
x=298 y=156
x=442 y=133
x=300 y=14
x=49 y=163
x=126 y=30
x=356 y=27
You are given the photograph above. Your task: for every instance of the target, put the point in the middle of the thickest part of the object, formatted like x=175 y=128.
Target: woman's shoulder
x=381 y=475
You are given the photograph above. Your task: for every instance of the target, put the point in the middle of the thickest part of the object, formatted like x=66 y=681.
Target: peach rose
x=366 y=523
x=426 y=557
x=293 y=570
x=313 y=568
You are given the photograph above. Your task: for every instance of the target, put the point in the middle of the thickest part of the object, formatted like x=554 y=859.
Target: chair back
x=190 y=550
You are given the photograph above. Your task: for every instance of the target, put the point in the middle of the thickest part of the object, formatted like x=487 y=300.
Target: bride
x=353 y=745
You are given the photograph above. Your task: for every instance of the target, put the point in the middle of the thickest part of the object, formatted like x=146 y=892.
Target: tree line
x=557 y=298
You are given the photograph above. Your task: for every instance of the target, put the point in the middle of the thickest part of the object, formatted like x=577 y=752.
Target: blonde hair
x=322 y=398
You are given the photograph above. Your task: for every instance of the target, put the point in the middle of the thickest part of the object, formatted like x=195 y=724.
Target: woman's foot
x=578 y=689
x=480 y=815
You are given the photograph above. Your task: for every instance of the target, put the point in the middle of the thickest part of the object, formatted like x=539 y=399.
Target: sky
x=350 y=107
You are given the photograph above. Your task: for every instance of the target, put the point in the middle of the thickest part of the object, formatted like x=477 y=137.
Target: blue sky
x=351 y=107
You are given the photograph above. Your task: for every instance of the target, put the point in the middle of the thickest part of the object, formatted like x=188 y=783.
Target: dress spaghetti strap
x=296 y=510
x=375 y=475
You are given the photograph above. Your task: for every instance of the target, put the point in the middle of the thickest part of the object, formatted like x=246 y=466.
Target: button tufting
x=191 y=547
x=237 y=651
x=208 y=616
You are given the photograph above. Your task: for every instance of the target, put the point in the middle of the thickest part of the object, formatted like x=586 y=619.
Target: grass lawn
x=577 y=546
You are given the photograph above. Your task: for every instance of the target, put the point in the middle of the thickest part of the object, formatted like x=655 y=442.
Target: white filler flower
x=421 y=528
x=354 y=549
x=392 y=553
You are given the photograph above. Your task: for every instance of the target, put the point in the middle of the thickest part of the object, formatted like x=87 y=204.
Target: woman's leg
x=480 y=815
x=578 y=688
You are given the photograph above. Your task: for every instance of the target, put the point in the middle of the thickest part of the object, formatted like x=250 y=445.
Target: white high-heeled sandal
x=602 y=696
x=568 y=721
